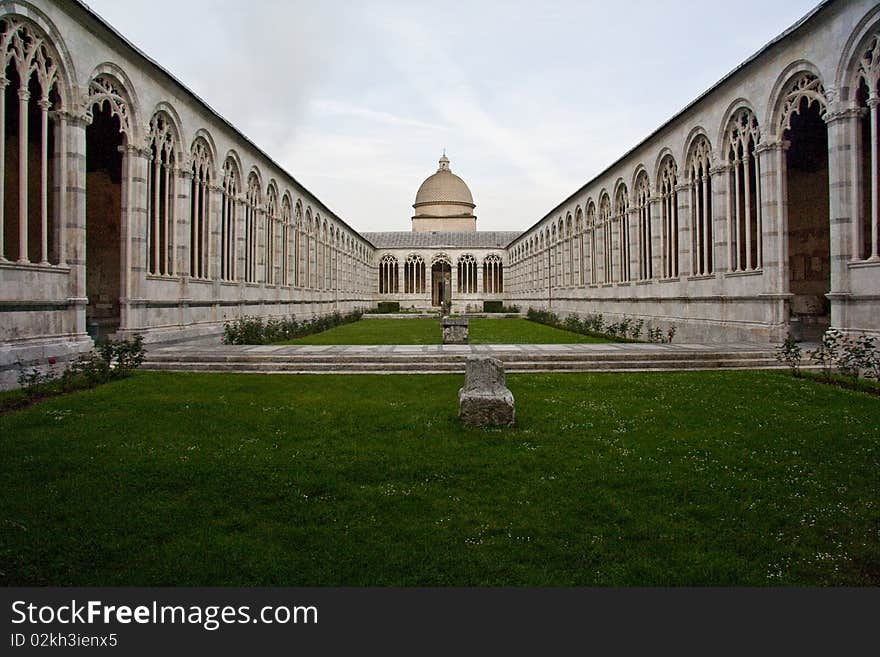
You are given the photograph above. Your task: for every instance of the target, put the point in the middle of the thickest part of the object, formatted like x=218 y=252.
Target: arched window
x=285 y=240
x=271 y=234
x=593 y=235
x=578 y=257
x=297 y=246
x=868 y=98
x=621 y=216
x=493 y=275
x=30 y=219
x=308 y=266
x=251 y=228
x=701 y=207
x=322 y=241
x=388 y=275
x=542 y=261
x=643 y=210
x=228 y=215
x=668 y=180
x=414 y=275
x=744 y=224
x=605 y=223
x=160 y=196
x=467 y=274
x=569 y=252
x=561 y=249
x=200 y=208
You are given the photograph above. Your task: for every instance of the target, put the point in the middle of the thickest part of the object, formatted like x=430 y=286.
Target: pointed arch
x=253 y=208
x=699 y=162
x=163 y=143
x=32 y=69
x=667 y=188
x=232 y=186
x=799 y=82
x=644 y=235
x=109 y=88
x=739 y=143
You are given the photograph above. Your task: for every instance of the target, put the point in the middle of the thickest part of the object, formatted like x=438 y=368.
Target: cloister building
x=127 y=205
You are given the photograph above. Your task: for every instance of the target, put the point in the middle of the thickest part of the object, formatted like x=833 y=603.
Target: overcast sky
x=530 y=99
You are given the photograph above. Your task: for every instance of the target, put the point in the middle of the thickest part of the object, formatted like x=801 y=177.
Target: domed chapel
x=444 y=258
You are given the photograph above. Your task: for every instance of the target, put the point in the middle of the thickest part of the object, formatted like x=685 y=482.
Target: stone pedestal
x=485 y=400
x=455 y=330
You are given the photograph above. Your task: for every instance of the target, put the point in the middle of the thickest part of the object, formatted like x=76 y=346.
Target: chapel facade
x=127 y=205
x=444 y=259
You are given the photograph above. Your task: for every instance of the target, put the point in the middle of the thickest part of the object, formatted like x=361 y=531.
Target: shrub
x=253 y=330
x=628 y=329
x=388 y=306
x=857 y=357
x=110 y=360
x=789 y=352
x=636 y=331
x=493 y=306
x=827 y=354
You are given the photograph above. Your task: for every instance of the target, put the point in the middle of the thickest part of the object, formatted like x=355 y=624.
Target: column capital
x=779 y=145
x=849 y=113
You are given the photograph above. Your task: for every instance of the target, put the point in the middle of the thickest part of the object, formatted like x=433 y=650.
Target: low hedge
x=256 y=330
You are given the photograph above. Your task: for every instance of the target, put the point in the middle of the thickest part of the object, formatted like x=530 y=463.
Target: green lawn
x=427 y=331
x=749 y=478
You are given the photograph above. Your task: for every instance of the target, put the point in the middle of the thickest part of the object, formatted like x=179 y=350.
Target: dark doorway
x=809 y=228
x=441 y=283
x=103 y=223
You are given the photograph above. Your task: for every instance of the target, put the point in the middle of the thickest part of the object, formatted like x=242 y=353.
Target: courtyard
x=427 y=331
x=684 y=478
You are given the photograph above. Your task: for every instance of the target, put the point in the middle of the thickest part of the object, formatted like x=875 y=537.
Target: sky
x=358 y=99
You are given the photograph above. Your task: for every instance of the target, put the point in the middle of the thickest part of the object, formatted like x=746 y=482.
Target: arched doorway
x=808 y=226
x=103 y=222
x=441 y=281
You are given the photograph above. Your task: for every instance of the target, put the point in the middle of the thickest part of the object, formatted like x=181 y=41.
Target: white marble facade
x=129 y=206
x=751 y=213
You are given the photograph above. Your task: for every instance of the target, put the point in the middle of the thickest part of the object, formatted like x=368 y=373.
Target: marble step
x=461 y=358
x=452 y=366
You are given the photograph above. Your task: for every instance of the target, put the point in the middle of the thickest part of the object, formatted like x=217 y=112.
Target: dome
x=444 y=187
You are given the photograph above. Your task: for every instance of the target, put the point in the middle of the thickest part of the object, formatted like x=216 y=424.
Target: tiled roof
x=481 y=239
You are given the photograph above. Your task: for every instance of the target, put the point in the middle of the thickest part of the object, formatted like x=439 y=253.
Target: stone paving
x=446 y=358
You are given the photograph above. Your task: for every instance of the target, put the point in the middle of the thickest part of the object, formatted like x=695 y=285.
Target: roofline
x=140 y=53
x=785 y=34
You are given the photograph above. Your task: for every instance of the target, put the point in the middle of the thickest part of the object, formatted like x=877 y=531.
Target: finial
x=444 y=162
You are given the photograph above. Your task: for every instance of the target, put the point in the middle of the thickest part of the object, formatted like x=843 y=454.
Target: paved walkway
x=470 y=349
x=452 y=358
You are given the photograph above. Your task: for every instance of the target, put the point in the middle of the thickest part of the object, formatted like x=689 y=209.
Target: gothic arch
x=173 y=118
x=695 y=133
x=203 y=137
x=108 y=84
x=22 y=11
x=255 y=175
x=658 y=162
x=799 y=80
x=858 y=41
x=732 y=109
x=233 y=156
x=639 y=171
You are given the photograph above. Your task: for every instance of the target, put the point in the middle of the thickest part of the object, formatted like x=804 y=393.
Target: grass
x=689 y=478
x=427 y=331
